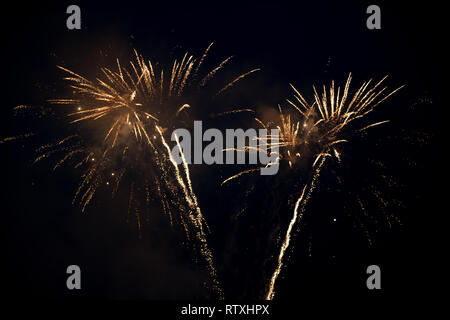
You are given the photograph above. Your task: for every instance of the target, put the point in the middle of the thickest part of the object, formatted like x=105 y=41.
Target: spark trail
x=194 y=215
x=300 y=205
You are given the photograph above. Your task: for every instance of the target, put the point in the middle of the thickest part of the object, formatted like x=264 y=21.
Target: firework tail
x=297 y=217
x=195 y=219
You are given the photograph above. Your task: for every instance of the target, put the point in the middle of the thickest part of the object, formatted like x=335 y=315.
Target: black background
x=303 y=43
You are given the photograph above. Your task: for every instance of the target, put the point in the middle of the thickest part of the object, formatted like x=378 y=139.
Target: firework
x=119 y=122
x=324 y=124
x=313 y=134
x=128 y=104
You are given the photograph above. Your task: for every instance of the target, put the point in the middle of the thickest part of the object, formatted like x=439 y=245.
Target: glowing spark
x=184 y=106
x=238 y=175
x=231 y=83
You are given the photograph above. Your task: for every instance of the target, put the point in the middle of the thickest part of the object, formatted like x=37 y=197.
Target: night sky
x=304 y=43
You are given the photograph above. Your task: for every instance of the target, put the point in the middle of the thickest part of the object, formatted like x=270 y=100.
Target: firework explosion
x=119 y=123
x=132 y=111
x=315 y=134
